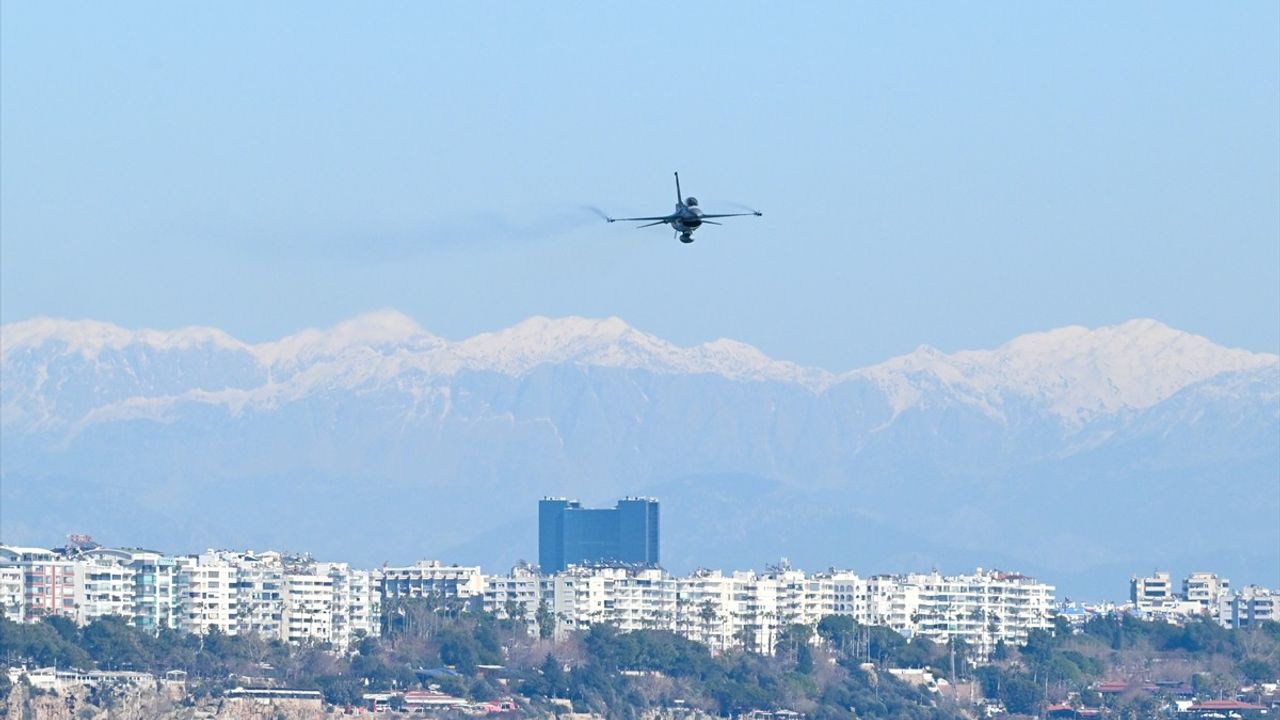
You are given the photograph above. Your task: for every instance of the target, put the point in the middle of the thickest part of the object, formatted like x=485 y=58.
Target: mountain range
x=1080 y=455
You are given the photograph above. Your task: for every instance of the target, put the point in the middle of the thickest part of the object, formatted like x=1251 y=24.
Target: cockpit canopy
x=691 y=201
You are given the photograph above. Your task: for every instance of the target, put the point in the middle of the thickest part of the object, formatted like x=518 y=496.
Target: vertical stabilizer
x=679 y=197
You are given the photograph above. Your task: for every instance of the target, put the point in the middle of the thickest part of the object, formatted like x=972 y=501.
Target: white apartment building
x=797 y=596
x=294 y=599
x=982 y=609
x=749 y=609
x=708 y=603
x=366 y=607
x=640 y=599
x=628 y=598
x=139 y=585
x=209 y=595
x=744 y=609
x=1149 y=593
x=301 y=601
x=1206 y=590
x=1252 y=606
x=576 y=598
x=236 y=592
x=430 y=578
x=157 y=597
x=892 y=603
x=308 y=608
x=267 y=594
x=518 y=594
x=48 y=580
x=12 y=602
x=756 y=615
x=104 y=585
x=779 y=598
x=846 y=594
x=259 y=590
x=356 y=605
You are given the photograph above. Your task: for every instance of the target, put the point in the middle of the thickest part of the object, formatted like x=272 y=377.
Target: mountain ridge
x=1073 y=451
x=1075 y=384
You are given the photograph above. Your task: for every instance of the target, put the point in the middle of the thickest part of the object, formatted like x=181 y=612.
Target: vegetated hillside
x=1080 y=455
x=837 y=670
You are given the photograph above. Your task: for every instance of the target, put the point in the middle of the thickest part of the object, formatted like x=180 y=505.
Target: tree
x=746 y=637
x=546 y=621
x=554 y=677
x=516 y=614
x=373 y=667
x=791 y=639
x=340 y=689
x=1021 y=694
x=959 y=656
x=459 y=650
x=113 y=644
x=839 y=631
x=804 y=660
x=708 y=615
x=42 y=643
x=1001 y=651
x=1256 y=670
x=1038 y=651
x=1091 y=698
x=990 y=680
x=884 y=645
x=64 y=626
x=919 y=652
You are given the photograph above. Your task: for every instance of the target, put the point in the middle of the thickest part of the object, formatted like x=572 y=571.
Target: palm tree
x=707 y=614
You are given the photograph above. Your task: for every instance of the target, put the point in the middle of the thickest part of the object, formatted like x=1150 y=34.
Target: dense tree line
x=483 y=656
x=1052 y=665
x=429 y=643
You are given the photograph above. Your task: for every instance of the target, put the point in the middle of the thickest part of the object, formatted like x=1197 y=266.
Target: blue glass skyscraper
x=569 y=534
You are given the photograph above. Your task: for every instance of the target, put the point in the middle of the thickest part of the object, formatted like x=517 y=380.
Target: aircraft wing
x=704 y=216
x=664 y=218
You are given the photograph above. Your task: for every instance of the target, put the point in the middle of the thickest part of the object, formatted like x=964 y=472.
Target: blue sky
x=950 y=174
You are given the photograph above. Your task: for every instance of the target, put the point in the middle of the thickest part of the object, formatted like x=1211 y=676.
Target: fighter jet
x=687 y=217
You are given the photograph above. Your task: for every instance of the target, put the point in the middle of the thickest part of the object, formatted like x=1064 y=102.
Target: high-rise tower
x=569 y=534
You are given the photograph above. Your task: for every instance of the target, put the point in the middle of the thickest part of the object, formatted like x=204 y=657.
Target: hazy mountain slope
x=1068 y=452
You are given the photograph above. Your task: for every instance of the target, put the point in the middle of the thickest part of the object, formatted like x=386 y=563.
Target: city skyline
x=225 y=602
x=243 y=590
x=597 y=409
x=323 y=347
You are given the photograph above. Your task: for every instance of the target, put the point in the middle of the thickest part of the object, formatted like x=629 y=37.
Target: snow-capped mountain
x=1076 y=373
x=951 y=449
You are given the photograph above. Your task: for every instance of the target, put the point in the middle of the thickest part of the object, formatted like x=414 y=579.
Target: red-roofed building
x=1224 y=708
x=1116 y=688
x=429 y=699
x=497 y=706
x=1066 y=711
